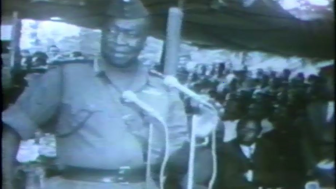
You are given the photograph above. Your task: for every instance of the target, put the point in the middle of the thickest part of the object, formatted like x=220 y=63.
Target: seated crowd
x=32 y=64
x=277 y=128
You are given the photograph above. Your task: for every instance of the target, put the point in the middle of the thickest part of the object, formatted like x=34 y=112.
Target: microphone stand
x=191 y=160
x=131 y=97
x=149 y=156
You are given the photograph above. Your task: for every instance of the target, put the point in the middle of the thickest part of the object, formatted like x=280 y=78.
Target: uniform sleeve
x=177 y=123
x=36 y=105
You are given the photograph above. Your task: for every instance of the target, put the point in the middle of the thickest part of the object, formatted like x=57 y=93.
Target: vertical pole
x=173 y=40
x=15 y=40
x=191 y=161
x=162 y=60
x=149 y=157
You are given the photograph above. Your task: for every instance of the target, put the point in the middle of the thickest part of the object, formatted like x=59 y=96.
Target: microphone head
x=129 y=96
x=170 y=80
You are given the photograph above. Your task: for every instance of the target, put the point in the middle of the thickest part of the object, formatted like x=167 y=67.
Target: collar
x=253 y=146
x=325 y=164
x=331 y=103
x=231 y=121
x=140 y=80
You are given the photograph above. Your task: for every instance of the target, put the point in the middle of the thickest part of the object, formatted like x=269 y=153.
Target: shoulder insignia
x=62 y=62
x=156 y=74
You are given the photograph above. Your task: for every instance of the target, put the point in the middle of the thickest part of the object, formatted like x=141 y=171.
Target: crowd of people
x=35 y=63
x=271 y=134
x=40 y=60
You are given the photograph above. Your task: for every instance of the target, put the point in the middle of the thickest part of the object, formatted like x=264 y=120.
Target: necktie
x=250 y=151
x=249 y=173
x=330 y=110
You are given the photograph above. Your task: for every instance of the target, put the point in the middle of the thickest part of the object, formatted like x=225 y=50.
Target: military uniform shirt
x=103 y=131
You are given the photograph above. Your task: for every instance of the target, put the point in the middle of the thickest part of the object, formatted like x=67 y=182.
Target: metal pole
x=173 y=40
x=191 y=161
x=15 y=40
x=149 y=157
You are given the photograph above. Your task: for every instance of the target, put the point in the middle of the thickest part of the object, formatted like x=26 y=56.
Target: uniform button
x=128 y=119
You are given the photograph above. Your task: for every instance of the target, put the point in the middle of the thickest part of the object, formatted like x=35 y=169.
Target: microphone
x=130 y=96
x=173 y=82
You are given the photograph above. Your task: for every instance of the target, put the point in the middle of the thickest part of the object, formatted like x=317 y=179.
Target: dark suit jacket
x=288 y=144
x=233 y=164
x=315 y=130
x=178 y=167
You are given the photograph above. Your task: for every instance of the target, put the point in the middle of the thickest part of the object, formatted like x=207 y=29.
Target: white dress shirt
x=230 y=132
x=248 y=152
x=330 y=110
x=326 y=164
x=267 y=126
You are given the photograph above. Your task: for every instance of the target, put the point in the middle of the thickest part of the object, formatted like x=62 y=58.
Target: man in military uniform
x=101 y=141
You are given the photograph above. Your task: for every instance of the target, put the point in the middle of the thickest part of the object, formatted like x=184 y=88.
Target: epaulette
x=156 y=74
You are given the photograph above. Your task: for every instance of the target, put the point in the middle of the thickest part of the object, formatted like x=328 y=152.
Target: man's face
x=232 y=110
x=54 y=50
x=216 y=67
x=249 y=133
x=209 y=68
x=24 y=54
x=199 y=70
x=280 y=115
x=286 y=73
x=122 y=40
x=256 y=111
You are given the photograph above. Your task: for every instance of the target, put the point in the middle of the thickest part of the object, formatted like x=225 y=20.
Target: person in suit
x=220 y=70
x=286 y=74
x=261 y=112
x=318 y=132
x=248 y=162
x=202 y=169
x=286 y=138
x=230 y=117
x=226 y=88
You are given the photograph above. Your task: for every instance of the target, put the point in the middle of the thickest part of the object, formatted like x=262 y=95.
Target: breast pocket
x=72 y=119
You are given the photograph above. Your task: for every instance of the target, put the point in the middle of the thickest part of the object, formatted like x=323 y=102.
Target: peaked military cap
x=127 y=9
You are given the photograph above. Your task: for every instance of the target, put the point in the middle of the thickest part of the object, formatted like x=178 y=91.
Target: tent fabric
x=264 y=26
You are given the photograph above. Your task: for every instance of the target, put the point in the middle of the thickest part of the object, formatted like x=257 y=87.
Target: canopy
x=264 y=26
